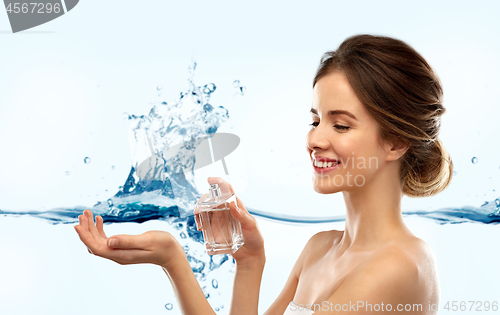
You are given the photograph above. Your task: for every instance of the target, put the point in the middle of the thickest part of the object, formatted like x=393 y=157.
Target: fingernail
x=113 y=242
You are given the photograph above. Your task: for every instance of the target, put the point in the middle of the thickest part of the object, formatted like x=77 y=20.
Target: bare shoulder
x=402 y=272
x=416 y=250
x=317 y=246
x=325 y=238
x=411 y=256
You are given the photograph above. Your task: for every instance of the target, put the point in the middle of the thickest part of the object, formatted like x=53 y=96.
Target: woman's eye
x=340 y=127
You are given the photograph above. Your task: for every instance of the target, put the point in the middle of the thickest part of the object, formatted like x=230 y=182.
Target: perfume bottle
x=221 y=231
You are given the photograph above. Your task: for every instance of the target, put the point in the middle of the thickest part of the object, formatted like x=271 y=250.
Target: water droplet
x=67 y=173
x=222 y=306
x=110 y=202
x=209 y=88
x=178 y=226
x=497 y=202
x=242 y=90
x=86 y=160
x=207 y=107
x=216 y=309
x=454 y=173
x=113 y=167
x=474 y=160
x=236 y=83
x=169 y=306
x=183 y=235
x=207 y=295
x=215 y=284
x=186 y=248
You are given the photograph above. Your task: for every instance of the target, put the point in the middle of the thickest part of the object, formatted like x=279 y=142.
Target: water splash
x=166 y=138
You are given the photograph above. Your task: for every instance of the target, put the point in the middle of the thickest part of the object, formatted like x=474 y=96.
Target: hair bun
x=427 y=173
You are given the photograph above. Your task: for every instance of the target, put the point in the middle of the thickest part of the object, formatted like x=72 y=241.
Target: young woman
x=375 y=120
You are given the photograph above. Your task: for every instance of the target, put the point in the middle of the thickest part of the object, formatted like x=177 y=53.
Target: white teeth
x=324 y=164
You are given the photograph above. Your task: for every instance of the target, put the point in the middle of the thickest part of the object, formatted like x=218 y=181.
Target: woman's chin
x=326 y=189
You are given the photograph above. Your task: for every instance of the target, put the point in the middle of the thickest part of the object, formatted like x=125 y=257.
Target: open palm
x=155 y=247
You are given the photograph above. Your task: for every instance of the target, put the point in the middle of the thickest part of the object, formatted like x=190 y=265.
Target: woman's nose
x=316 y=140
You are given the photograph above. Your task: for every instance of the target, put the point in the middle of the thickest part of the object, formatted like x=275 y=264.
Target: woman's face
x=342 y=131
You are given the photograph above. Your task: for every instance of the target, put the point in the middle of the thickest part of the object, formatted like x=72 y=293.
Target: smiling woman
x=401 y=92
x=376 y=115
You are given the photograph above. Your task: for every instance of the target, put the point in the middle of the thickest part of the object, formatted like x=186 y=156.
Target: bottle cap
x=214 y=191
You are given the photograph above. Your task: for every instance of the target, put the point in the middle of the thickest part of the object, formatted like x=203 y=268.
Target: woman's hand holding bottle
x=252 y=250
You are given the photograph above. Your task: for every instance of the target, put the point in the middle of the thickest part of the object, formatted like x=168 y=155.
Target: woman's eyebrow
x=335 y=112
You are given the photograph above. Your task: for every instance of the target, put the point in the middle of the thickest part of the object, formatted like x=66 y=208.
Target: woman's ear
x=395 y=149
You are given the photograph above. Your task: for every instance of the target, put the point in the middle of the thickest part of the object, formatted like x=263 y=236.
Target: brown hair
x=404 y=96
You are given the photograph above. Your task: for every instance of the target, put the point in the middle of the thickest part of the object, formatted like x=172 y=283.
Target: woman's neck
x=374 y=216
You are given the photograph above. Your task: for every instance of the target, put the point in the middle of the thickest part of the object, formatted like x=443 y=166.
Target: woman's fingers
x=99 y=224
x=82 y=221
x=198 y=222
x=91 y=224
x=238 y=209
x=196 y=213
x=223 y=185
x=129 y=242
x=85 y=235
x=149 y=247
x=246 y=219
x=89 y=234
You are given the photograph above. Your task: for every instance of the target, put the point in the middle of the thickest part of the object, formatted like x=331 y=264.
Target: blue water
x=165 y=189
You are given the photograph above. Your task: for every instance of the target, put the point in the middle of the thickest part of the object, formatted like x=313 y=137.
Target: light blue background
x=65 y=85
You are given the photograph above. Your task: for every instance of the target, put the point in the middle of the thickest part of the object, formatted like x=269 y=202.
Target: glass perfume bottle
x=221 y=231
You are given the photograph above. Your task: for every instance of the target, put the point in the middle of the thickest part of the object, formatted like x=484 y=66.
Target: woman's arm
x=250 y=258
x=161 y=248
x=246 y=288
x=155 y=247
x=189 y=295
x=288 y=292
